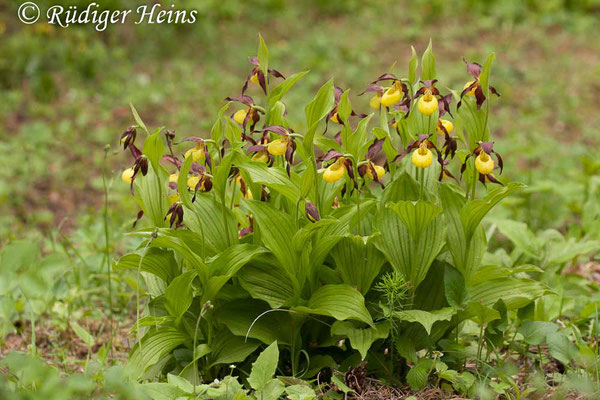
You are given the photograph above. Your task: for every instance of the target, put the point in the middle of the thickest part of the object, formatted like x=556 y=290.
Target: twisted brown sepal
x=129 y=135
x=176 y=214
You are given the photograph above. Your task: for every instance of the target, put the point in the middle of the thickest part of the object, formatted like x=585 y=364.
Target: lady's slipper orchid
x=422 y=157
x=473 y=88
x=484 y=164
x=282 y=146
x=257 y=76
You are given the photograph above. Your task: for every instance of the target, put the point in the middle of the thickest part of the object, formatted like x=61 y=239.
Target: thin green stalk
x=106 y=245
x=202 y=311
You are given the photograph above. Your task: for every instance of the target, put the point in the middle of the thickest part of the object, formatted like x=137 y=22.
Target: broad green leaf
x=521 y=236
x=412 y=66
x=182 y=242
x=428 y=62
x=426 y=318
x=263 y=369
x=561 y=348
x=482 y=313
x=137 y=118
x=416 y=215
x=221 y=173
x=316 y=110
x=275 y=178
x=230 y=261
x=269 y=282
x=300 y=392
x=535 y=332
x=341 y=302
x=454 y=287
x=154 y=149
x=179 y=294
x=277 y=231
x=344 y=107
x=358 y=261
x=308 y=180
x=163 y=391
x=152 y=192
x=419 y=374
x=153 y=346
x=156 y=261
x=474 y=211
x=215 y=224
x=277 y=115
x=516 y=293
x=409 y=254
x=280 y=90
x=256 y=320
x=228 y=349
x=361 y=339
x=466 y=255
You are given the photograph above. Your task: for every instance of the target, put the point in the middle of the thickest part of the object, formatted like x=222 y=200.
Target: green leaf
x=561 y=348
x=454 y=287
x=515 y=292
x=228 y=349
x=480 y=312
x=263 y=369
x=156 y=261
x=280 y=90
x=179 y=294
x=426 y=318
x=361 y=339
x=182 y=242
x=137 y=118
x=535 y=332
x=230 y=261
x=277 y=231
x=163 y=391
x=269 y=282
x=151 y=191
x=267 y=326
x=474 y=211
x=411 y=239
x=263 y=55
x=216 y=131
x=154 y=149
x=419 y=374
x=153 y=346
x=428 y=62
x=358 y=261
x=344 y=107
x=316 y=110
x=83 y=334
x=521 y=236
x=341 y=302
x=274 y=178
x=412 y=66
x=485 y=74
x=416 y=215
x=215 y=224
x=300 y=392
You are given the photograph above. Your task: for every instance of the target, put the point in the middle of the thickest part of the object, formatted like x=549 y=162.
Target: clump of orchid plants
x=386 y=195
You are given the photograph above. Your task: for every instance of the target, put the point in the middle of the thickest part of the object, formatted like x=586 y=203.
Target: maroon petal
x=474 y=69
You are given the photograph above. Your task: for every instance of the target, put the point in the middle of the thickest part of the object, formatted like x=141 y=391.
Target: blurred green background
x=65 y=92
